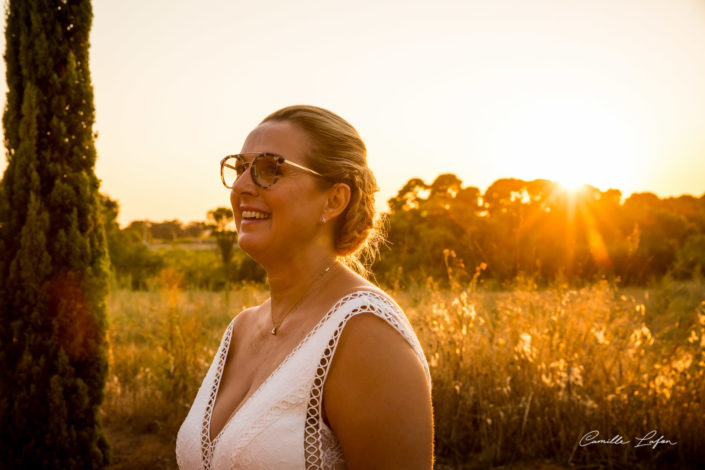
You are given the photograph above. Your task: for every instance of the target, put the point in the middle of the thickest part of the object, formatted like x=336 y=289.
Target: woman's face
x=281 y=220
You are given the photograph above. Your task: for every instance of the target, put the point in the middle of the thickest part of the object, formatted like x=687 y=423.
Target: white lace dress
x=281 y=426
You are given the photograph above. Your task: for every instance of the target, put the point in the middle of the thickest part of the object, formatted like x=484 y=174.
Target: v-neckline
x=215 y=387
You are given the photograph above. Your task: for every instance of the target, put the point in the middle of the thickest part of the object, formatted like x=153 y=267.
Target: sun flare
x=571 y=182
x=572 y=143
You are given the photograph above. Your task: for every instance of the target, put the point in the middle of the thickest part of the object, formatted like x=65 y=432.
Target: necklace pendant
x=274 y=331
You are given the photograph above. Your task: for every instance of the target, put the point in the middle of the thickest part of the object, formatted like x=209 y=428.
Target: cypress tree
x=53 y=257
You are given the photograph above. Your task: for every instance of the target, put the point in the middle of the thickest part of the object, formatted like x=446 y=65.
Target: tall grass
x=523 y=375
x=161 y=343
x=518 y=375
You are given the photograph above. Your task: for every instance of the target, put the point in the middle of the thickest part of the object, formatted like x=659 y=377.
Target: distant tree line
x=540 y=230
x=166 y=231
x=141 y=250
x=535 y=229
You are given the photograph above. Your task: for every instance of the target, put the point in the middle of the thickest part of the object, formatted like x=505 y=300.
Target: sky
x=607 y=92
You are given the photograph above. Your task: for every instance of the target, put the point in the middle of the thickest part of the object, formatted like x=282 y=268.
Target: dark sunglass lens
x=240 y=166
x=266 y=170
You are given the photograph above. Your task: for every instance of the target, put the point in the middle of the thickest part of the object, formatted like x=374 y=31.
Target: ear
x=337 y=201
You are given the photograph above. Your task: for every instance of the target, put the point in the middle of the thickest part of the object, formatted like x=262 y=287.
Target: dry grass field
x=519 y=375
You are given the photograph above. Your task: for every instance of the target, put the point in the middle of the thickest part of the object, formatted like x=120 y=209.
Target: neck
x=289 y=279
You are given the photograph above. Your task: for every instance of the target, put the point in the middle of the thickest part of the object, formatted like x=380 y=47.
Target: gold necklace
x=275 y=327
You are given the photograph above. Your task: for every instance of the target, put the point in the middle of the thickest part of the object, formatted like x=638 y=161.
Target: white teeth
x=254 y=215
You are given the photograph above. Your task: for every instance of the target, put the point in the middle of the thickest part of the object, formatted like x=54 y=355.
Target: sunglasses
x=264 y=168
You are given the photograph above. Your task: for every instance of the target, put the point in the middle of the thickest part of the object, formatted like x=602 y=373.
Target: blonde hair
x=338 y=153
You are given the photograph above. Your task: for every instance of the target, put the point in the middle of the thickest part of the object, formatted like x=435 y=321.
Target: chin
x=251 y=245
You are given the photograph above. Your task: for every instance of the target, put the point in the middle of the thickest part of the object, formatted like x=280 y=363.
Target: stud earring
x=323 y=219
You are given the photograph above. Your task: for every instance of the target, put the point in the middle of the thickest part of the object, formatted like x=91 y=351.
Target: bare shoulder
x=369 y=336
x=390 y=424
x=371 y=341
x=371 y=347
x=245 y=320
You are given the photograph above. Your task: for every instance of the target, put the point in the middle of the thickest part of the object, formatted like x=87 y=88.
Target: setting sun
x=574 y=142
x=571 y=183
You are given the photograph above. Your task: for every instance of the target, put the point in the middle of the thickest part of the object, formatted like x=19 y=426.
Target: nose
x=244 y=184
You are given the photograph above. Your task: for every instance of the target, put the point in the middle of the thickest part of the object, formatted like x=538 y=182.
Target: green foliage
x=132 y=261
x=540 y=230
x=201 y=269
x=135 y=264
x=54 y=264
x=218 y=221
x=690 y=257
x=198 y=269
x=427 y=221
x=138 y=260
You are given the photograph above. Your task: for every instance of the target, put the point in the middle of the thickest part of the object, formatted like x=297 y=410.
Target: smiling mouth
x=255 y=215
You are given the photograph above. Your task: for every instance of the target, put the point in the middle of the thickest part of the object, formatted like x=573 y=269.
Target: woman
x=327 y=373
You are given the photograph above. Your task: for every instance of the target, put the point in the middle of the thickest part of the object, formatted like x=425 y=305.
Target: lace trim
x=206 y=445
x=320 y=451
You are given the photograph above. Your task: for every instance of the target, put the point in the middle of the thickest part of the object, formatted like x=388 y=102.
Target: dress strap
x=316 y=432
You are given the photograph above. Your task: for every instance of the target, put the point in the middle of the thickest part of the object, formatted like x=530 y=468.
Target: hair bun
x=358 y=220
